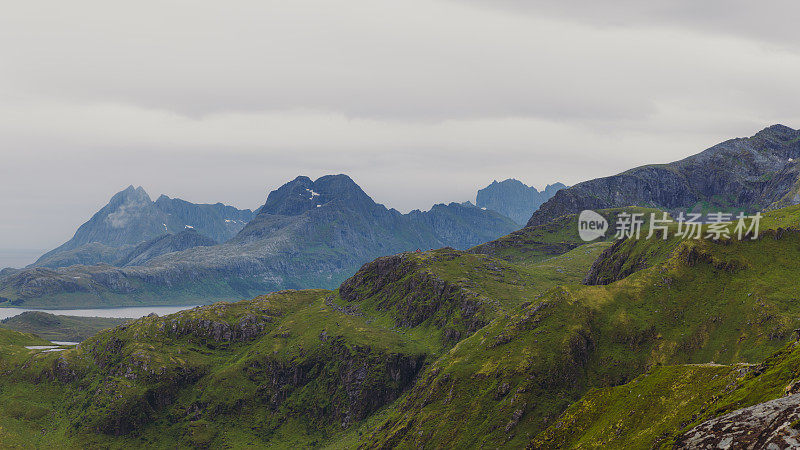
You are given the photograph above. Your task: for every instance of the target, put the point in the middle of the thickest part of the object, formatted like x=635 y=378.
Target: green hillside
x=500 y=346
x=59 y=328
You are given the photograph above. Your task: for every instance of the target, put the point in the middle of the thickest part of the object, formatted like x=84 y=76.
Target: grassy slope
x=726 y=302
x=655 y=408
x=180 y=380
x=509 y=342
x=651 y=408
x=531 y=245
x=59 y=328
x=116 y=381
x=19 y=406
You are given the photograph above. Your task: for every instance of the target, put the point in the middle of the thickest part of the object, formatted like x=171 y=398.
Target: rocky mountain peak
x=341 y=187
x=131 y=217
x=514 y=199
x=302 y=194
x=131 y=195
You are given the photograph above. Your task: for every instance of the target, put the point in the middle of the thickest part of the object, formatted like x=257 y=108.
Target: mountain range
x=131 y=218
x=536 y=339
x=307 y=234
x=514 y=199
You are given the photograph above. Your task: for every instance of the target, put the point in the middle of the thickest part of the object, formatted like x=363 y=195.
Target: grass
x=698 y=302
x=656 y=408
x=59 y=328
x=501 y=346
x=649 y=410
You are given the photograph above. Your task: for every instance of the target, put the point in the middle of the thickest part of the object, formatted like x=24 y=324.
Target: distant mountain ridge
x=167 y=243
x=514 y=199
x=309 y=233
x=131 y=218
x=751 y=174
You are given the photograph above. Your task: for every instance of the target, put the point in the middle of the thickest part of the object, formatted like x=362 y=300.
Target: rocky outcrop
x=356 y=380
x=747 y=173
x=769 y=425
x=401 y=285
x=614 y=264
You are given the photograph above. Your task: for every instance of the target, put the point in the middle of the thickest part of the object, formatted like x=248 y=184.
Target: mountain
x=309 y=233
x=131 y=218
x=167 y=243
x=460 y=225
x=514 y=199
x=743 y=174
x=686 y=337
x=501 y=346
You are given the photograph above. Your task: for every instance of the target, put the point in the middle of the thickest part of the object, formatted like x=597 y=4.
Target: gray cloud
x=419 y=101
x=770 y=21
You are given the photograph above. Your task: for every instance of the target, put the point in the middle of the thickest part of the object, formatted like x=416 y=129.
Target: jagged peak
x=515 y=183
x=511 y=181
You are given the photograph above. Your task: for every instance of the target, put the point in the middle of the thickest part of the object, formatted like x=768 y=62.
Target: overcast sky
x=420 y=101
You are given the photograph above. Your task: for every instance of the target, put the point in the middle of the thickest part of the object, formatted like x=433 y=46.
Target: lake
x=131 y=312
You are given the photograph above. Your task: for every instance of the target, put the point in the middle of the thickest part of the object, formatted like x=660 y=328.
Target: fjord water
x=131 y=312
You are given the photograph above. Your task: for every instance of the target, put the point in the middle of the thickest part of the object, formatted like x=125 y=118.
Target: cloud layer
x=419 y=101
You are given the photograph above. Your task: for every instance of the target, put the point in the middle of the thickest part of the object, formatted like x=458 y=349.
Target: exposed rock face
x=613 y=264
x=514 y=199
x=767 y=425
x=131 y=218
x=307 y=234
x=748 y=173
x=358 y=380
x=397 y=283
